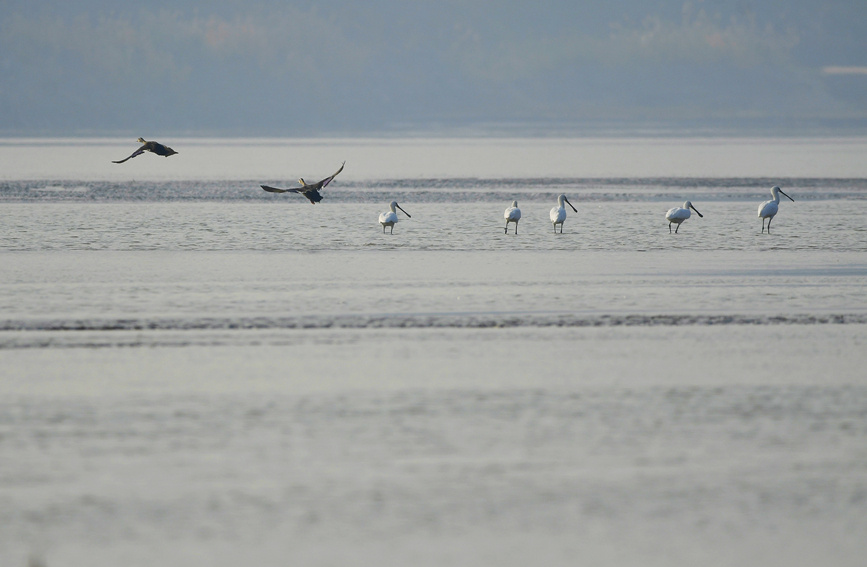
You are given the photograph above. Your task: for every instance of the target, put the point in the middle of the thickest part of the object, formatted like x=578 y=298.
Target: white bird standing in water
x=768 y=209
x=389 y=218
x=512 y=214
x=558 y=213
x=677 y=215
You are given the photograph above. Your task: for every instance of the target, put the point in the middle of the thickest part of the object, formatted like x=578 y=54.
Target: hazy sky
x=284 y=68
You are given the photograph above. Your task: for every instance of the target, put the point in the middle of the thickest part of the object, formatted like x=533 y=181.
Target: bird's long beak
x=404 y=212
x=570 y=204
x=792 y=200
x=696 y=211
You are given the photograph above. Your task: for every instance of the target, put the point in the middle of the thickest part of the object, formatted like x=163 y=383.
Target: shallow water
x=199 y=373
x=633 y=445
x=445 y=226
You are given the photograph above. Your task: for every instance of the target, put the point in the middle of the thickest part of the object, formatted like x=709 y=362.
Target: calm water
x=195 y=372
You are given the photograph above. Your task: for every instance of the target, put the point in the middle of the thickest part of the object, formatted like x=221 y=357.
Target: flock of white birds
x=675 y=215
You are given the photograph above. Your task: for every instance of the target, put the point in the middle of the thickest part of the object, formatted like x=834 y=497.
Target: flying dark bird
x=154 y=147
x=310 y=191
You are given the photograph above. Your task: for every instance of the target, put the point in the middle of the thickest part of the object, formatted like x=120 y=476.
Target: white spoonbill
x=558 y=213
x=389 y=218
x=768 y=209
x=512 y=214
x=677 y=215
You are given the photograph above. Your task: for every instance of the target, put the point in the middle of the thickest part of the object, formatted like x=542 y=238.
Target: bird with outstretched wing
x=154 y=147
x=311 y=191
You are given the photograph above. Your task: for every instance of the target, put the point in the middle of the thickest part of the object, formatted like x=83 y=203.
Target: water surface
x=195 y=372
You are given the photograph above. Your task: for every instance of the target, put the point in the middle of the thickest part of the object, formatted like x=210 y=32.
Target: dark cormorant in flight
x=310 y=191
x=154 y=147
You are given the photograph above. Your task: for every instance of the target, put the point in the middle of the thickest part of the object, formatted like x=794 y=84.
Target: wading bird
x=154 y=147
x=512 y=214
x=558 y=213
x=677 y=215
x=390 y=217
x=768 y=209
x=310 y=191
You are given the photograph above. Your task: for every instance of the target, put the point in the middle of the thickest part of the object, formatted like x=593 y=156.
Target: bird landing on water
x=309 y=190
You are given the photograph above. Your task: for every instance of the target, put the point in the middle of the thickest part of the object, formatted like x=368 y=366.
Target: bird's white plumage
x=558 y=213
x=768 y=209
x=512 y=214
x=677 y=215
x=389 y=218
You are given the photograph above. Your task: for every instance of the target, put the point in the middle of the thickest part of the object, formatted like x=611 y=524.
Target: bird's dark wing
x=138 y=152
x=275 y=190
x=328 y=179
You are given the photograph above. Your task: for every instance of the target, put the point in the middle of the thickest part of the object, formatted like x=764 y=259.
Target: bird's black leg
x=763 y=225
x=669 y=228
x=676 y=229
x=769 y=224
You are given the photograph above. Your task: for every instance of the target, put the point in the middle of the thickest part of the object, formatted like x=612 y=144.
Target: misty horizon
x=267 y=68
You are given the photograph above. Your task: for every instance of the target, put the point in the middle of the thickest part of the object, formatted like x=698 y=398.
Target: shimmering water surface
x=195 y=372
